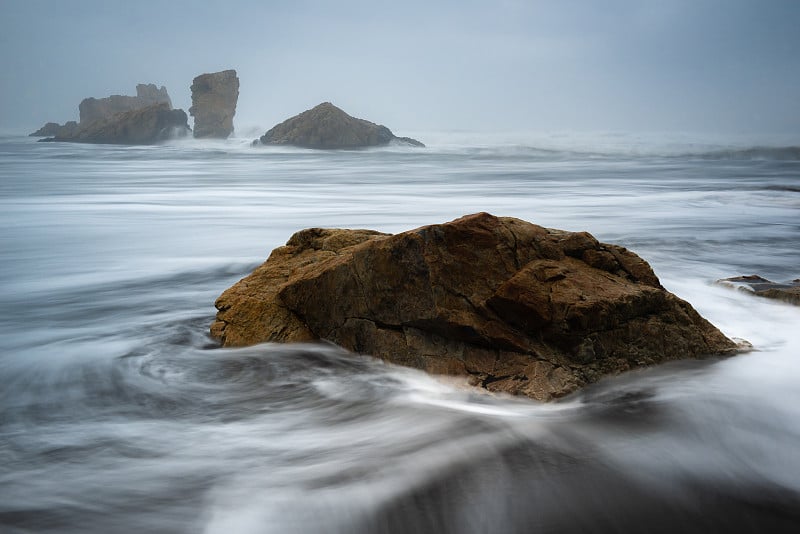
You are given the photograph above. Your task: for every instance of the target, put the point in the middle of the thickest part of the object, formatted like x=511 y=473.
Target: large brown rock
x=327 y=127
x=521 y=308
x=142 y=126
x=214 y=98
x=99 y=109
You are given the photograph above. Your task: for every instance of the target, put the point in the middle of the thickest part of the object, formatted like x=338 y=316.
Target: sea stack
x=327 y=127
x=516 y=307
x=214 y=98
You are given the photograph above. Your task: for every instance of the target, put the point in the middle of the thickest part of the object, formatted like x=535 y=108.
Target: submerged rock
x=328 y=127
x=761 y=287
x=520 y=308
x=98 y=109
x=214 y=98
x=143 y=126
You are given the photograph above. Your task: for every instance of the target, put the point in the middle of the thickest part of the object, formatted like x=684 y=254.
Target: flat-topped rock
x=214 y=98
x=328 y=127
x=142 y=126
x=761 y=287
x=517 y=307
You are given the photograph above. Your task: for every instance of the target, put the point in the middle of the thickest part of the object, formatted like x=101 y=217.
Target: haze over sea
x=120 y=414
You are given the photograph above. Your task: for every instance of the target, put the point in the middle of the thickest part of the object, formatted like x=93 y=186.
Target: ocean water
x=119 y=414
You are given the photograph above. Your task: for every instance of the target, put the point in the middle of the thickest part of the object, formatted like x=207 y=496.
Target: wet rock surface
x=517 y=307
x=327 y=127
x=761 y=287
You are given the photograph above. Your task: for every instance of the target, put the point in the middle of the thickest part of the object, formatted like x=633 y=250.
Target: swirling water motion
x=120 y=414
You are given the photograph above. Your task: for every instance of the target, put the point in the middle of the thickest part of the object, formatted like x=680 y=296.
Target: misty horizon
x=709 y=67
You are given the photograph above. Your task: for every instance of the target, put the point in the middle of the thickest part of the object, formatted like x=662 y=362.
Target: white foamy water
x=119 y=414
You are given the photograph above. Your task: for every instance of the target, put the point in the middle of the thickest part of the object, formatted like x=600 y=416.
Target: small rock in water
x=789 y=292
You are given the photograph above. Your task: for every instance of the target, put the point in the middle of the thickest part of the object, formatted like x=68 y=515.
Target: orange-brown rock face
x=520 y=308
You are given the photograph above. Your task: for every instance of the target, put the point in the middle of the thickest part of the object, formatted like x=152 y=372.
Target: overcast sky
x=726 y=66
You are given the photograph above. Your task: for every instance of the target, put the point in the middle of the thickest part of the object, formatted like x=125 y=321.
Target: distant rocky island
x=141 y=126
x=327 y=127
x=515 y=307
x=148 y=118
x=99 y=109
x=143 y=119
x=96 y=110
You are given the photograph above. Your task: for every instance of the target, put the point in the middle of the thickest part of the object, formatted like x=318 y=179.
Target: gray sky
x=717 y=66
